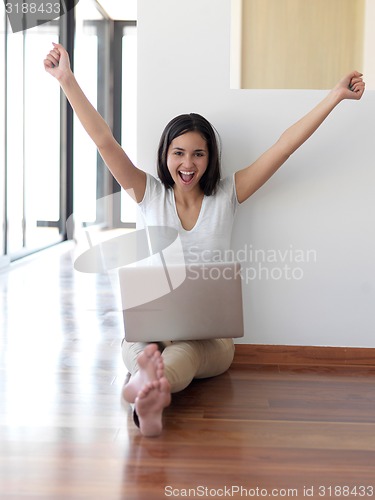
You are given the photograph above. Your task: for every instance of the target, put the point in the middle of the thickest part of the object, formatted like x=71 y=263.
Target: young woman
x=190 y=196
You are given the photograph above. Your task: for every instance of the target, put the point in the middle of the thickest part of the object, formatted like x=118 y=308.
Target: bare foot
x=150 y=368
x=149 y=405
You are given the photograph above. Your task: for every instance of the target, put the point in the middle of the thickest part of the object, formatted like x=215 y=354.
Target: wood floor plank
x=65 y=433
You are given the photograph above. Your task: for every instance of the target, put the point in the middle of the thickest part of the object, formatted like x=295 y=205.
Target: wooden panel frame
x=302 y=45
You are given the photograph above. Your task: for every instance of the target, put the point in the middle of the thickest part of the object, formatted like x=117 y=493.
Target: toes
x=149 y=404
x=157 y=354
x=165 y=391
x=150 y=350
x=160 y=368
x=147 y=354
x=164 y=385
x=147 y=388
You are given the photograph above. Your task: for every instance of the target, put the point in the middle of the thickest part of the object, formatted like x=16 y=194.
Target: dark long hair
x=191 y=123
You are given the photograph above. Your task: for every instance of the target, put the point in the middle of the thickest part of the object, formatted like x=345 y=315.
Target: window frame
x=109 y=83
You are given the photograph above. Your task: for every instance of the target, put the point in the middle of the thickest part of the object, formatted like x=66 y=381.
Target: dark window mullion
x=67 y=28
x=23 y=141
x=104 y=30
x=117 y=112
x=5 y=222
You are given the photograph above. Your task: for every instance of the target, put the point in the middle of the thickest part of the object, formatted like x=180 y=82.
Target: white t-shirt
x=210 y=238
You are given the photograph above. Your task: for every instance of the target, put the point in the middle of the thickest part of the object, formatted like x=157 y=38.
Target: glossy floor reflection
x=61 y=375
x=65 y=433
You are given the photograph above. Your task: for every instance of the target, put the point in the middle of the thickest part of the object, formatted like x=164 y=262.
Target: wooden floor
x=255 y=431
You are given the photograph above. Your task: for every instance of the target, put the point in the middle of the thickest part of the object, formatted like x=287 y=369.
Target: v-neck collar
x=178 y=217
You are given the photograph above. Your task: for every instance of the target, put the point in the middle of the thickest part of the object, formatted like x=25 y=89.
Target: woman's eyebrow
x=195 y=150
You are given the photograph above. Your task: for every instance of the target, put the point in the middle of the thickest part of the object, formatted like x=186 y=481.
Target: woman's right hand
x=57 y=62
x=351 y=86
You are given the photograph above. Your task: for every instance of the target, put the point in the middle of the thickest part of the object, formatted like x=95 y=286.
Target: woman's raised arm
x=251 y=178
x=128 y=176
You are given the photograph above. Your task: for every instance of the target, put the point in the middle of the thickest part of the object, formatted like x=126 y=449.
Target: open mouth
x=186 y=177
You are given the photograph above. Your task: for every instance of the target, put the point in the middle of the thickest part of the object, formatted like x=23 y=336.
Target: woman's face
x=187 y=160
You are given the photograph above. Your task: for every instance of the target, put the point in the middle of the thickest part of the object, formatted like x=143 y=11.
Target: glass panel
x=129 y=112
x=41 y=140
x=2 y=130
x=33 y=142
x=14 y=124
x=85 y=153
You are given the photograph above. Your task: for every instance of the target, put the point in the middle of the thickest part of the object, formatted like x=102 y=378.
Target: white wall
x=321 y=203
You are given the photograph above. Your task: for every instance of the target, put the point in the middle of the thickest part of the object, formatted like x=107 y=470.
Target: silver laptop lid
x=196 y=301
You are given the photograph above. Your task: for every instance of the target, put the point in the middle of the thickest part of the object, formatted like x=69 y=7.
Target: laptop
x=182 y=302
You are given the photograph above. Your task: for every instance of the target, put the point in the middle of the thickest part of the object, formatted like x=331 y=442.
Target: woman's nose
x=188 y=161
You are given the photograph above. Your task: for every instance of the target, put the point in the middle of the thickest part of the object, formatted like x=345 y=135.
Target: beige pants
x=184 y=361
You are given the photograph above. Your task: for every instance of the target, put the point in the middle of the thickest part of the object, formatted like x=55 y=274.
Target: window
x=32 y=143
x=105 y=66
x=41 y=141
x=49 y=166
x=129 y=111
x=85 y=153
x=14 y=151
x=2 y=132
x=85 y=157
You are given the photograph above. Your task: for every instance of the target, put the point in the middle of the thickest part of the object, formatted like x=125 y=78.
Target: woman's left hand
x=351 y=86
